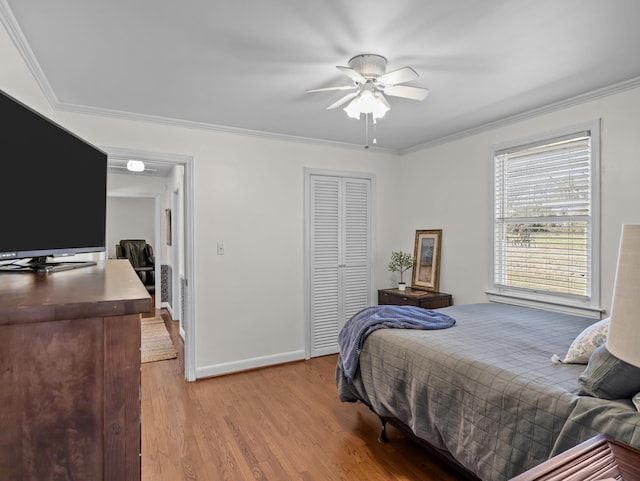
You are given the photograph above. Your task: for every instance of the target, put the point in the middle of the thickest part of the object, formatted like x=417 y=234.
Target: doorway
x=135 y=215
x=176 y=172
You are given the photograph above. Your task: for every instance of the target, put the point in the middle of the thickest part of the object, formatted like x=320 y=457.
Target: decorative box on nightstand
x=414 y=297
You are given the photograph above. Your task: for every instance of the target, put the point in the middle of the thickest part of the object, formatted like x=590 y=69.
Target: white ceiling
x=244 y=65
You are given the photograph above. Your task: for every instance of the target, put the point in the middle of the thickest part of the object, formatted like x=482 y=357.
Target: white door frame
x=176 y=247
x=187 y=162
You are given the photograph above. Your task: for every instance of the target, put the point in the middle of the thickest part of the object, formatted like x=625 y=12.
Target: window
x=546 y=220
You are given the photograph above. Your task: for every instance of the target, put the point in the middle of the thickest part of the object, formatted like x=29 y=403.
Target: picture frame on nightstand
x=426 y=271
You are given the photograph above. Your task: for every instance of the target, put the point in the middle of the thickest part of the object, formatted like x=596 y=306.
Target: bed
x=485 y=390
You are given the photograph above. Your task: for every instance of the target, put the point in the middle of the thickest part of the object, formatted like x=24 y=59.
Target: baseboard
x=246 y=364
x=168 y=307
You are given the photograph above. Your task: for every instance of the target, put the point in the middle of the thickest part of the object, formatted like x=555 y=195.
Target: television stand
x=70 y=397
x=40 y=265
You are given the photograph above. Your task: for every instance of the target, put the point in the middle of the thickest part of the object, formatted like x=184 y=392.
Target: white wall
x=129 y=218
x=452 y=183
x=129 y=193
x=176 y=203
x=248 y=194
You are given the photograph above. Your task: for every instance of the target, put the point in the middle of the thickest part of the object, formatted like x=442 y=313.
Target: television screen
x=54 y=188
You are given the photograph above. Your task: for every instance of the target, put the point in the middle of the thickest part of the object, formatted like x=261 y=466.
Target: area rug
x=156 y=343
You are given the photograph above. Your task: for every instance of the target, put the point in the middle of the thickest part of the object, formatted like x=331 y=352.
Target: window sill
x=545 y=302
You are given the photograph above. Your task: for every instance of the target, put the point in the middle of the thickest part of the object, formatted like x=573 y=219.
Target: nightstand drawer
x=398 y=300
x=436 y=302
x=414 y=297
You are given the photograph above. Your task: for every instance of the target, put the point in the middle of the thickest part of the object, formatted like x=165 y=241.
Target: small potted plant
x=400 y=262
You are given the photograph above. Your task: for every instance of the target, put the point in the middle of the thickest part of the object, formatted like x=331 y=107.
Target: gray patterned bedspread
x=485 y=390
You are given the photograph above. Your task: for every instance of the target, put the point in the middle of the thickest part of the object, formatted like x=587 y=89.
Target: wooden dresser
x=70 y=373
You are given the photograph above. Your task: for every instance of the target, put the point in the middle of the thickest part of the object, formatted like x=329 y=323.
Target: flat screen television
x=53 y=192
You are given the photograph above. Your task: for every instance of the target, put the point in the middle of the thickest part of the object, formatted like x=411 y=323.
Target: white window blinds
x=543 y=217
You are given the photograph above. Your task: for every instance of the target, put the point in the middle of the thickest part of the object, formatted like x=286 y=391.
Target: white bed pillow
x=586 y=343
x=636 y=401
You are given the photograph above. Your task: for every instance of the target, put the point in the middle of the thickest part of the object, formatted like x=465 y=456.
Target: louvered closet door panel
x=357 y=247
x=340 y=256
x=324 y=256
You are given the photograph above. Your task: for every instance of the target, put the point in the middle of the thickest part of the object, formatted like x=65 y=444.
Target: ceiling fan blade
x=355 y=76
x=327 y=89
x=414 y=93
x=402 y=75
x=343 y=100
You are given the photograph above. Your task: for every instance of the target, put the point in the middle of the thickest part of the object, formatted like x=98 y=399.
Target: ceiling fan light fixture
x=352 y=109
x=367 y=102
x=380 y=107
x=135 y=166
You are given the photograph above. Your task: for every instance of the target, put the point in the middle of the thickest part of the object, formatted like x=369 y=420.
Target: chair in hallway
x=140 y=254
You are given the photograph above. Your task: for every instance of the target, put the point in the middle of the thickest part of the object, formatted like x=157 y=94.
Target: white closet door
x=324 y=263
x=340 y=251
x=356 y=247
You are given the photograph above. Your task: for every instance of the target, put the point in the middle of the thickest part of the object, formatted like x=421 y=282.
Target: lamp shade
x=624 y=332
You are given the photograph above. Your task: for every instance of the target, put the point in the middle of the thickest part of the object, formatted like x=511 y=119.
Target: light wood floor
x=278 y=423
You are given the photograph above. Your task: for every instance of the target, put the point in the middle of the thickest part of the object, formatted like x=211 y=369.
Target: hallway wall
x=129 y=218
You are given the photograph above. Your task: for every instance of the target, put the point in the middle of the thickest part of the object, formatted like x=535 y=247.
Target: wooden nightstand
x=414 y=297
x=596 y=458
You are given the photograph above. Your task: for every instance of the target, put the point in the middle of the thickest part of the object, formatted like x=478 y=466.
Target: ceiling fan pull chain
x=375 y=140
x=366 y=131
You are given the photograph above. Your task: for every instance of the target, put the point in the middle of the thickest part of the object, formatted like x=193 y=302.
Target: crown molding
x=576 y=100
x=20 y=41
x=81 y=109
x=562 y=104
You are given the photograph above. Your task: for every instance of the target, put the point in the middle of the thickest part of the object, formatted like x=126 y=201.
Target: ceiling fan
x=370 y=80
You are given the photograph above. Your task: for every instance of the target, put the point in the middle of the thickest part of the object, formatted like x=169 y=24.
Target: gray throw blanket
x=367 y=320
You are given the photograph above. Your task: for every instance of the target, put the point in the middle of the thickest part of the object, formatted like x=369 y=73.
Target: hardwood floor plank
x=277 y=423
